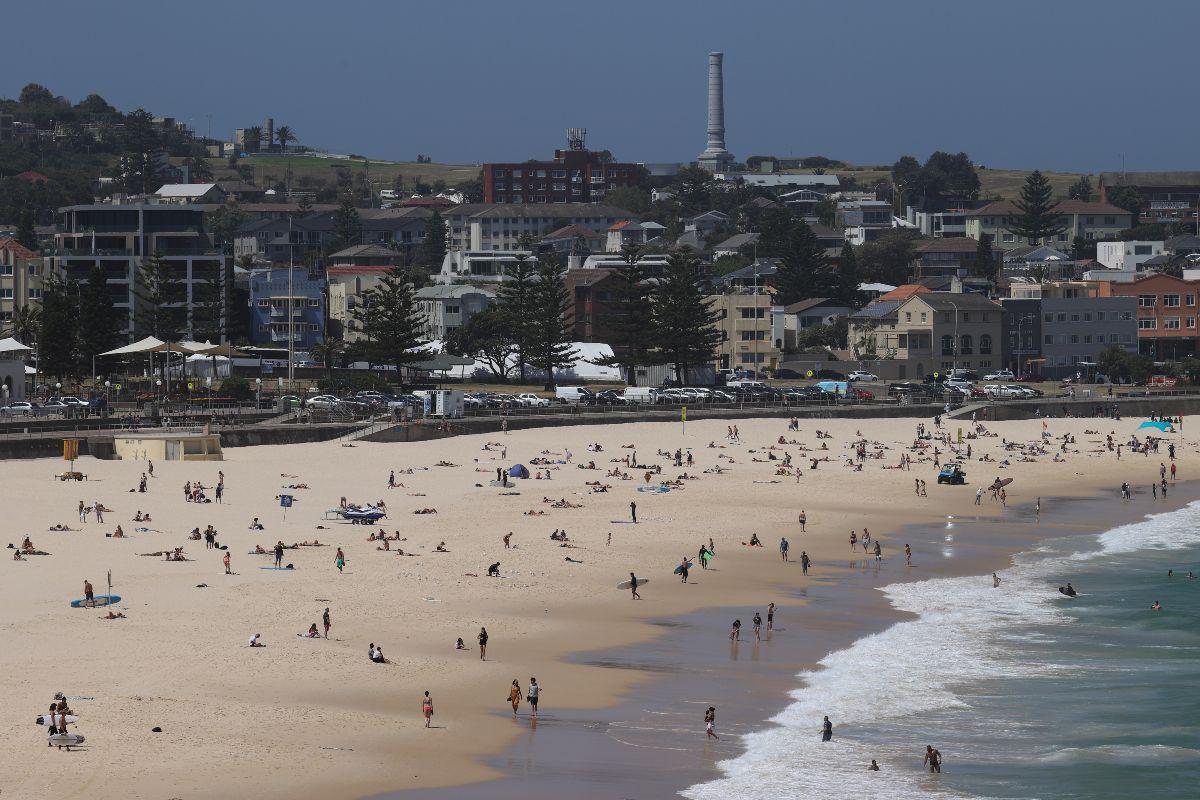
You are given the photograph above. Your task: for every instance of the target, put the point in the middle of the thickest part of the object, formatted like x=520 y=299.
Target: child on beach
x=710 y=720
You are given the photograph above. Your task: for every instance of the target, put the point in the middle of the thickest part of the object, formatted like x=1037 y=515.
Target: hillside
x=996 y=183
x=306 y=168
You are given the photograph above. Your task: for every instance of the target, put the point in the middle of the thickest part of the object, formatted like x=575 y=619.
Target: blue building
x=269 y=296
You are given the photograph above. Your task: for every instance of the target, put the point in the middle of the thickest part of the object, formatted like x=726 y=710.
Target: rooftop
x=185 y=189
x=1001 y=208
x=564 y=211
x=965 y=301
x=951 y=244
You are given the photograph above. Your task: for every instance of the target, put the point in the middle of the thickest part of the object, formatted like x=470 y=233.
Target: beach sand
x=305 y=718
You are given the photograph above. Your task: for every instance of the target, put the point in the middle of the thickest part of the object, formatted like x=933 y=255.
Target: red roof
x=904 y=292
x=616 y=226
x=31 y=177
x=16 y=248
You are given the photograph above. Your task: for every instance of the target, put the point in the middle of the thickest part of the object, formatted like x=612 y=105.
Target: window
x=1143 y=250
x=1099 y=338
x=1049 y=339
x=753 y=313
x=1191 y=322
x=1062 y=317
x=908 y=316
x=6 y=294
x=966 y=316
x=1048 y=317
x=1074 y=338
x=966 y=345
x=6 y=269
x=754 y=336
x=1110 y=220
x=923 y=316
x=313 y=302
x=1147 y=300
x=1171 y=300
x=947 y=345
x=1087 y=338
x=1008 y=237
x=1147 y=323
x=1171 y=323
x=35 y=294
x=1099 y=316
x=985 y=345
x=1074 y=318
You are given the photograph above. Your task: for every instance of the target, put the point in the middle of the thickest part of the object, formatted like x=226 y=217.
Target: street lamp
x=257 y=394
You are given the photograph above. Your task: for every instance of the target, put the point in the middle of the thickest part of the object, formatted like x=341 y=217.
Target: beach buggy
x=952 y=474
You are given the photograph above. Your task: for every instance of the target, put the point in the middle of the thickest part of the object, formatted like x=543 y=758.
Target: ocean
x=1026 y=693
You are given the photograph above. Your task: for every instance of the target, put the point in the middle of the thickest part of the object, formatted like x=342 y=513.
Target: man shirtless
x=933 y=758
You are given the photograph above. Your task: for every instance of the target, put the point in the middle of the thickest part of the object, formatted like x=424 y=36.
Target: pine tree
x=347 y=226
x=628 y=315
x=209 y=306
x=685 y=322
x=305 y=205
x=551 y=326
x=1129 y=199
x=1081 y=190
x=99 y=322
x=155 y=291
x=1036 y=218
x=985 y=258
x=805 y=270
x=26 y=233
x=847 y=277
x=388 y=320
x=516 y=297
x=433 y=249
x=58 y=351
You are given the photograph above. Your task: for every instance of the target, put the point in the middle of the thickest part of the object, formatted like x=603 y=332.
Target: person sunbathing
x=533 y=513
x=17 y=556
x=111 y=615
x=425 y=511
x=118 y=533
x=441 y=548
x=60 y=527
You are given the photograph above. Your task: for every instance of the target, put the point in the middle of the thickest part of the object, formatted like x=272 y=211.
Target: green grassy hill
x=268 y=169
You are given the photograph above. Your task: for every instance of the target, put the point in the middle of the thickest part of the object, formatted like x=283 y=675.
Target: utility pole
x=291 y=318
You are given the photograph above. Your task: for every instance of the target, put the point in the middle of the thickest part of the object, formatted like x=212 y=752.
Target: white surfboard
x=629 y=585
x=66 y=739
x=44 y=719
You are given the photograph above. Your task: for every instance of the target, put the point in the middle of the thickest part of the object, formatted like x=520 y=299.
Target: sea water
x=1026 y=693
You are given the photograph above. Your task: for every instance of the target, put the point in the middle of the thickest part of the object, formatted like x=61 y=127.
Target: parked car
x=54 y=407
x=1031 y=377
x=21 y=408
x=325 y=402
x=1001 y=375
x=570 y=394
x=606 y=397
x=863 y=376
x=640 y=394
x=530 y=400
x=859 y=394
x=998 y=391
x=952 y=474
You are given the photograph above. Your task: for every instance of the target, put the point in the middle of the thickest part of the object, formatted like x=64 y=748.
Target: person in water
x=826 y=730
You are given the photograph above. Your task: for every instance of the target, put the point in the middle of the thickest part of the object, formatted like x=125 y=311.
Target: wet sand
x=652 y=744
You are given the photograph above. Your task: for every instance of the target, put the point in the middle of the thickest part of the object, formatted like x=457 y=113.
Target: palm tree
x=26 y=323
x=252 y=134
x=327 y=352
x=283 y=135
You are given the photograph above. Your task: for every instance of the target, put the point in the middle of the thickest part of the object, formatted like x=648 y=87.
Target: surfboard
x=45 y=719
x=679 y=569
x=281 y=569
x=97 y=602
x=628 y=585
x=66 y=739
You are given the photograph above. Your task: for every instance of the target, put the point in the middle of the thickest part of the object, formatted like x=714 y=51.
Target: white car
x=324 y=401
x=532 y=400
x=998 y=391
x=958 y=383
x=20 y=408
x=862 y=376
x=1002 y=375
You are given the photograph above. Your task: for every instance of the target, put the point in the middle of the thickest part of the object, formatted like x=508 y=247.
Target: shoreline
x=542 y=610
x=609 y=744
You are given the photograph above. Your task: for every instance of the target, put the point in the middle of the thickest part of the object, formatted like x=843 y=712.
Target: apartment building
x=353 y=271
x=119 y=238
x=1169 y=196
x=864 y=220
x=1087 y=220
x=1166 y=315
x=284 y=306
x=1127 y=256
x=298 y=239
x=442 y=309
x=575 y=175
x=20 y=278
x=930 y=332
x=745 y=322
x=481 y=226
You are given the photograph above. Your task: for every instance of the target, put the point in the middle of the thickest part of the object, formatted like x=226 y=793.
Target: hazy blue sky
x=1056 y=84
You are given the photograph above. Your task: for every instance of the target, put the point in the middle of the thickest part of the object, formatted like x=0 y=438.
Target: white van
x=640 y=394
x=571 y=394
x=388 y=194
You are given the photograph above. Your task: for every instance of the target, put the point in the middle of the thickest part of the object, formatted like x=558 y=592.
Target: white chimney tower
x=715 y=157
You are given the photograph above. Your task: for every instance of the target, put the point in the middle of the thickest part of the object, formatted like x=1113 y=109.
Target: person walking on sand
x=735 y=633
x=683 y=570
x=99 y=511
x=515 y=696
x=227 y=559
x=427 y=708
x=770 y=617
x=508 y=540
x=783 y=549
x=326 y=622
x=88 y=592
x=804 y=561
x=633 y=511
x=826 y=730
x=82 y=512
x=710 y=720
x=279 y=553
x=339 y=560
x=757 y=620
x=633 y=584
x=907 y=555
x=933 y=759
x=533 y=694
x=483 y=639
x=803 y=521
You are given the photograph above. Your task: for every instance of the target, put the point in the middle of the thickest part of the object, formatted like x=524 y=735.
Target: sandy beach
x=315 y=718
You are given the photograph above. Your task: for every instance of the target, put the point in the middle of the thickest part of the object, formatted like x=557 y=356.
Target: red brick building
x=591 y=293
x=576 y=175
x=1167 y=314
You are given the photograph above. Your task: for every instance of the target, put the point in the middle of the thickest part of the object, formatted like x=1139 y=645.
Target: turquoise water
x=1027 y=694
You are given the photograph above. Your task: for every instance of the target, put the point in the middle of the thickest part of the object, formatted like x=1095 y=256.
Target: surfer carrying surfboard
x=633 y=584
x=88 y=593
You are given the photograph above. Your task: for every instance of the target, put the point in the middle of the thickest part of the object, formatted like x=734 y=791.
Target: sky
x=1072 y=85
